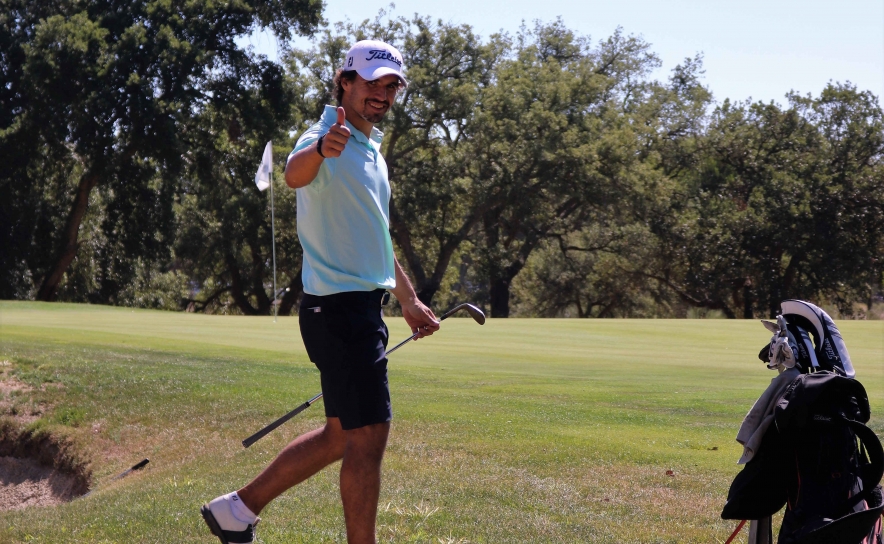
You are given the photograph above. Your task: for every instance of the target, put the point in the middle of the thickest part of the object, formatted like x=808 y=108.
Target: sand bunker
x=36 y=468
x=25 y=483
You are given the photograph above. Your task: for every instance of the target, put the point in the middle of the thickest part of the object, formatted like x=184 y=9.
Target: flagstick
x=273 y=244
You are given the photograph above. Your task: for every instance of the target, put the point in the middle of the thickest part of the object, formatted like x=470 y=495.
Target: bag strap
x=869 y=440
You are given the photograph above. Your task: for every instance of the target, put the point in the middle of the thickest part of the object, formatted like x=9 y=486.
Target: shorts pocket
x=314 y=333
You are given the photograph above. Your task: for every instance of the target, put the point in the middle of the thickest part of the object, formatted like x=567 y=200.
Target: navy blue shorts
x=346 y=339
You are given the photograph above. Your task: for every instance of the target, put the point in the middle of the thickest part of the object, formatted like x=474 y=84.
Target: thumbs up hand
x=342 y=117
x=334 y=141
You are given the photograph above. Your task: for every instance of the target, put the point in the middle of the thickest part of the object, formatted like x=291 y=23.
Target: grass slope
x=518 y=431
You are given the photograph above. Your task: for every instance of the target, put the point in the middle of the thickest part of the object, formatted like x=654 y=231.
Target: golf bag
x=833 y=484
x=817 y=457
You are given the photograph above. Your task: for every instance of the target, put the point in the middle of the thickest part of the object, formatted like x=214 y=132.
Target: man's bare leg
x=301 y=459
x=361 y=480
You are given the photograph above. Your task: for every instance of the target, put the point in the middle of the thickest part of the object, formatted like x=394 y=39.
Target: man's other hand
x=420 y=318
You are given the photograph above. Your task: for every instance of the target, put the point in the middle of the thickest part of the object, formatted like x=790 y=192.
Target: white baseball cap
x=373 y=59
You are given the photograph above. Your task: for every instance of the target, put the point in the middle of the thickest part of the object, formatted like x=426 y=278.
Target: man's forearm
x=302 y=167
x=404 y=291
x=418 y=316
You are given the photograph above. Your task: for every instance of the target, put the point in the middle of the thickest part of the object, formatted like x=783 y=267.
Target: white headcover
x=799 y=307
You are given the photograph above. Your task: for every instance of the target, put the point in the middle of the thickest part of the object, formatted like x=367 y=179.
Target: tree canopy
x=112 y=95
x=540 y=173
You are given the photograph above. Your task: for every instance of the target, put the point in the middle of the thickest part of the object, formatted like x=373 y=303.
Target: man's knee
x=369 y=441
x=334 y=435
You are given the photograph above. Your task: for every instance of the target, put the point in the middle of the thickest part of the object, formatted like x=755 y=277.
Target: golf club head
x=474 y=312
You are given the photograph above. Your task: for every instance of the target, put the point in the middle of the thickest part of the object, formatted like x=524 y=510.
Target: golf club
x=137 y=466
x=474 y=312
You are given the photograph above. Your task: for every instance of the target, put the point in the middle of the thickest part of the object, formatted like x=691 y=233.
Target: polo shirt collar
x=330 y=117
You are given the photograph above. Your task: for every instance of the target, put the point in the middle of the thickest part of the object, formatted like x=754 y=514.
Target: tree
x=224 y=233
x=555 y=141
x=785 y=203
x=588 y=273
x=102 y=95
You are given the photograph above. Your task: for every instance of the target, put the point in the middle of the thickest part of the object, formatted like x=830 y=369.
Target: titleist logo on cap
x=383 y=55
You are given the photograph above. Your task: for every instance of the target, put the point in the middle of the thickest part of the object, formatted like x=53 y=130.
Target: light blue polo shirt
x=344 y=216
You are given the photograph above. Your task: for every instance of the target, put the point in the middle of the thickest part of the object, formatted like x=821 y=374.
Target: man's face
x=370 y=100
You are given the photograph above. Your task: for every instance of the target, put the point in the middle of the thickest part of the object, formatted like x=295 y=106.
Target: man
x=343 y=224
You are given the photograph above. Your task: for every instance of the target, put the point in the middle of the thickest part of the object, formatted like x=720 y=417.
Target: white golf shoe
x=223 y=524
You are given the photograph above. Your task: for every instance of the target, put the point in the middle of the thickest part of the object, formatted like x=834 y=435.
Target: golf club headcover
x=829 y=349
x=781 y=352
x=789 y=347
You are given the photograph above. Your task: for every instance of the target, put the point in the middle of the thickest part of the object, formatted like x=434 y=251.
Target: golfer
x=343 y=195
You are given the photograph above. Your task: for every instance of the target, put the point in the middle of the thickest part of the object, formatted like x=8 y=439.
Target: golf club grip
x=137 y=466
x=266 y=430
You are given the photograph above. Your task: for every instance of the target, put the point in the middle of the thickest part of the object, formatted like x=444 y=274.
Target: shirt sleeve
x=326 y=171
x=306 y=139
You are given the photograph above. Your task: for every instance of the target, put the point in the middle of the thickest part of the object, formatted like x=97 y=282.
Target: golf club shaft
x=263 y=432
x=137 y=466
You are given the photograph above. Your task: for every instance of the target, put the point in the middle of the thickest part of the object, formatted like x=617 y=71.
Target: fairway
x=522 y=430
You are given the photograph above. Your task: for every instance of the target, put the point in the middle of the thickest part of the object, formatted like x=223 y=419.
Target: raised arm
x=302 y=167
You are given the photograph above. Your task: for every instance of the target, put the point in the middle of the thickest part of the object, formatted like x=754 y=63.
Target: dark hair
x=341 y=74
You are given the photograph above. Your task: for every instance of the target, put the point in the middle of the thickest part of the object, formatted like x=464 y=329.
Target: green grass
x=518 y=431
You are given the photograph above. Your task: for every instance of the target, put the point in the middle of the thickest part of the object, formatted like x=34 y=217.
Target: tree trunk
x=500 y=296
x=426 y=293
x=265 y=304
x=747 y=299
x=69 y=243
x=427 y=286
x=502 y=278
x=236 y=287
x=292 y=296
x=706 y=302
x=402 y=235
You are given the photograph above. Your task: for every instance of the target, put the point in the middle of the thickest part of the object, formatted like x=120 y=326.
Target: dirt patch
x=25 y=483
x=17 y=399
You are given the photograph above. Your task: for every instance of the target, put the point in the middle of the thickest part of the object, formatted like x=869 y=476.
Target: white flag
x=262 y=178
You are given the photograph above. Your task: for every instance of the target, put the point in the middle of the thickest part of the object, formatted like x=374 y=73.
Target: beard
x=374 y=118
x=372 y=115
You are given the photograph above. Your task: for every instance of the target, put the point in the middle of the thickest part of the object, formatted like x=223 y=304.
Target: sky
x=752 y=49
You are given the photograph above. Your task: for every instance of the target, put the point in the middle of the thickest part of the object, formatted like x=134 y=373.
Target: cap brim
x=371 y=74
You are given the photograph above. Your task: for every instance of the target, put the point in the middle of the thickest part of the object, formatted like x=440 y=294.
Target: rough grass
x=518 y=431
